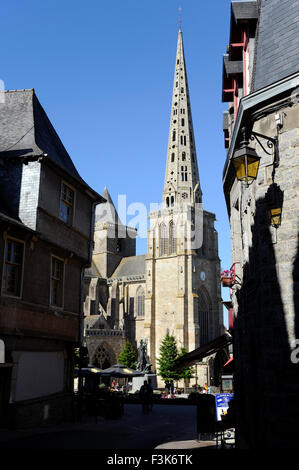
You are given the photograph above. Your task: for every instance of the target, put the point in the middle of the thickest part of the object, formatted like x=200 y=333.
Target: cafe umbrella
x=119 y=371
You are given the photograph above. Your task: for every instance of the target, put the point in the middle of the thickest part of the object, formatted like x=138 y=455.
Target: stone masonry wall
x=266 y=306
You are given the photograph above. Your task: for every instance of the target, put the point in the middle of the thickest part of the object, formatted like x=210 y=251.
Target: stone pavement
x=165 y=427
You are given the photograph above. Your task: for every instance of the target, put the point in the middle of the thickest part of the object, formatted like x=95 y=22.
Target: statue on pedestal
x=143 y=365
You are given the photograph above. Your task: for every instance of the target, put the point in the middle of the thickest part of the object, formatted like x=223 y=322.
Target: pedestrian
x=151 y=394
x=167 y=387
x=144 y=395
x=172 y=388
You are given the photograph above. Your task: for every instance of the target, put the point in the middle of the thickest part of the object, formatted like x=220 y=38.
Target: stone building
x=261 y=85
x=46 y=237
x=175 y=287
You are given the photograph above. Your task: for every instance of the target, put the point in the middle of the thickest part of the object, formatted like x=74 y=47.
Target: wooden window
x=66 y=204
x=173 y=136
x=12 y=269
x=172 y=157
x=57 y=278
x=184 y=156
x=183 y=122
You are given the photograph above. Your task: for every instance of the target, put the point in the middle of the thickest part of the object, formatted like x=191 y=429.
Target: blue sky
x=103 y=71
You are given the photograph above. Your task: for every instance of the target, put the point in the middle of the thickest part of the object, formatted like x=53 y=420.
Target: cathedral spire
x=181 y=177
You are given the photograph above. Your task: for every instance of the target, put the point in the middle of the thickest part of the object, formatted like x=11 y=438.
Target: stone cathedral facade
x=175 y=287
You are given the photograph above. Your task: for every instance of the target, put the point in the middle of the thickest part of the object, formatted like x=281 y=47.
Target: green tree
x=128 y=356
x=185 y=373
x=168 y=354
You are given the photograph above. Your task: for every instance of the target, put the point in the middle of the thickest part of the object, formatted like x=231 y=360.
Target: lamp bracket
x=271 y=141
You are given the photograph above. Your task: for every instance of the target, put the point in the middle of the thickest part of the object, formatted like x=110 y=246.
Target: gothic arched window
x=163 y=242
x=103 y=358
x=140 y=302
x=172 y=238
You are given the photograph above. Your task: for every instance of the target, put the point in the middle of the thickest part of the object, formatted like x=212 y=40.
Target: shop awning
x=207 y=349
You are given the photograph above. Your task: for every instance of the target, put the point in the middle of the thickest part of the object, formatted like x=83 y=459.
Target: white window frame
x=61 y=200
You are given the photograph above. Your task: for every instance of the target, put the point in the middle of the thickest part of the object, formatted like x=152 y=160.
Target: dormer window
x=66 y=204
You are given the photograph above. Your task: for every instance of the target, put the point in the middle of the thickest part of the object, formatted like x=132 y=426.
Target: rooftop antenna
x=180 y=18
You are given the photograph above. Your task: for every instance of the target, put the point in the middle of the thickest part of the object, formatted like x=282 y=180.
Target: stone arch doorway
x=104 y=356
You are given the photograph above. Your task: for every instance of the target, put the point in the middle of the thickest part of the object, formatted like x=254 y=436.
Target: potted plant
x=226 y=278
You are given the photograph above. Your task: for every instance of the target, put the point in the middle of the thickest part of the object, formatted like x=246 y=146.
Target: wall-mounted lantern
x=275 y=216
x=274 y=203
x=245 y=159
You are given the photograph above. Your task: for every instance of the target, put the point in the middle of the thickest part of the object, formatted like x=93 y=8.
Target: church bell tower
x=182 y=264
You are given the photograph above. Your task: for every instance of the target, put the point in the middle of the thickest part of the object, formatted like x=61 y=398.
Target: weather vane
x=180 y=17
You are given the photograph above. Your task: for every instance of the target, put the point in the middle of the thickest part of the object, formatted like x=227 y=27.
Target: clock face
x=202 y=275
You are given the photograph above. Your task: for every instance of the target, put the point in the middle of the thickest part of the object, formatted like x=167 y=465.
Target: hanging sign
x=222 y=400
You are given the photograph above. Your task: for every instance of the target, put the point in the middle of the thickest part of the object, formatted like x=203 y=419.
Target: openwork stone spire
x=181 y=176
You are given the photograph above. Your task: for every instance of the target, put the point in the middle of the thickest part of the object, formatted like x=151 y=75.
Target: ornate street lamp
x=246 y=161
x=274 y=203
x=275 y=216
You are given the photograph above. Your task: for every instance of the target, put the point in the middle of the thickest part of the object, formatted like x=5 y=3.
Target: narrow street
x=135 y=430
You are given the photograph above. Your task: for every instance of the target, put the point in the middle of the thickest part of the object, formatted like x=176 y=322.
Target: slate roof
x=245 y=10
x=92 y=271
x=225 y=120
x=106 y=212
x=277 y=53
x=25 y=130
x=130 y=266
x=232 y=67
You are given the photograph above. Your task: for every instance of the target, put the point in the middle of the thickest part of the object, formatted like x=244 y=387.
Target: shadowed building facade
x=45 y=243
x=260 y=84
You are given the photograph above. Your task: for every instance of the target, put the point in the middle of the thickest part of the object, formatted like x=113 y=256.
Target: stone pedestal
x=137 y=382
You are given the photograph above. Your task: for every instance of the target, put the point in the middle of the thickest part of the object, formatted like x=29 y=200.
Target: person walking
x=151 y=394
x=144 y=395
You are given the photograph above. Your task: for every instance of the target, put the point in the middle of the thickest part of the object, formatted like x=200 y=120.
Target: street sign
x=222 y=400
